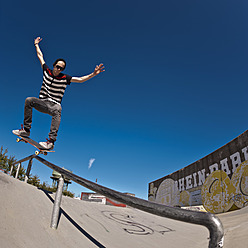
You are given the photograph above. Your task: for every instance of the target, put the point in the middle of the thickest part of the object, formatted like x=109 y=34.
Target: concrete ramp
x=235 y=228
x=25 y=215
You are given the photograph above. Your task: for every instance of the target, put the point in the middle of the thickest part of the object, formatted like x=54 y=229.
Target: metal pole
x=57 y=202
x=210 y=221
x=17 y=171
x=28 y=170
x=11 y=169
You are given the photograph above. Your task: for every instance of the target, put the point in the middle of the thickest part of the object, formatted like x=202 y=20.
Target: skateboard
x=40 y=150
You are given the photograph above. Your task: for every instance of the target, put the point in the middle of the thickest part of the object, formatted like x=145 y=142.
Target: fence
x=210 y=221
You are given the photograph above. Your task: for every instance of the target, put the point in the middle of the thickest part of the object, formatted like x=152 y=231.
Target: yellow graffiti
x=184 y=198
x=220 y=194
x=240 y=182
x=216 y=192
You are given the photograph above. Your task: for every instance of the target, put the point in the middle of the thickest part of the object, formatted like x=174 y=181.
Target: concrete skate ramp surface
x=235 y=228
x=25 y=215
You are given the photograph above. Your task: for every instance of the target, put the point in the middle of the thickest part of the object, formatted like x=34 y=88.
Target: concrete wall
x=219 y=181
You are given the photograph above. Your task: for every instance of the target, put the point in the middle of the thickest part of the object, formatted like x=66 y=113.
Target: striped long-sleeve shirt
x=53 y=88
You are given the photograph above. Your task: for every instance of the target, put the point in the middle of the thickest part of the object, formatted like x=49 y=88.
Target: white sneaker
x=21 y=132
x=48 y=145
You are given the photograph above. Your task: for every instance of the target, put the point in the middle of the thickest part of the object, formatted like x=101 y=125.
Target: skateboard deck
x=41 y=150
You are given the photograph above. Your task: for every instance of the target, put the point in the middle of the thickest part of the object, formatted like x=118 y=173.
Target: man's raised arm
x=98 y=70
x=39 y=53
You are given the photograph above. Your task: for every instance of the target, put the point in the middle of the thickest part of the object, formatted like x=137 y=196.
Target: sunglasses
x=59 y=67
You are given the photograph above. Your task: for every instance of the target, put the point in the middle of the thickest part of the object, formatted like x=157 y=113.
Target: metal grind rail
x=210 y=221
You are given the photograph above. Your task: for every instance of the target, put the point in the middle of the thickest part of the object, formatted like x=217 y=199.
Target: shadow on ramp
x=74 y=223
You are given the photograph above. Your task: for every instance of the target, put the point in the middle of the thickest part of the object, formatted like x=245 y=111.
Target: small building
x=94 y=197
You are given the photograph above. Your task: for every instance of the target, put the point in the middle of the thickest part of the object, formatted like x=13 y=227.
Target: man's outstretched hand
x=98 y=69
x=37 y=40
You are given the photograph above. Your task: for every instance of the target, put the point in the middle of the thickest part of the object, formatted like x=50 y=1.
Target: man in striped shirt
x=51 y=94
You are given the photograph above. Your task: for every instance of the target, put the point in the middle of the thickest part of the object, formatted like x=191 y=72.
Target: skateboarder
x=51 y=94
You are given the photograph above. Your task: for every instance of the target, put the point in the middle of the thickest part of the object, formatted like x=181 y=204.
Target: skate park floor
x=25 y=216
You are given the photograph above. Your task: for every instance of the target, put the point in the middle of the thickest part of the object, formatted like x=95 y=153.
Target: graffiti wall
x=219 y=181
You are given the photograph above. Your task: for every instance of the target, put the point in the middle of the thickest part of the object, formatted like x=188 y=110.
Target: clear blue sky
x=174 y=89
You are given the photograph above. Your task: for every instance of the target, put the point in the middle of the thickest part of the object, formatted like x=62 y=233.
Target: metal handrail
x=210 y=221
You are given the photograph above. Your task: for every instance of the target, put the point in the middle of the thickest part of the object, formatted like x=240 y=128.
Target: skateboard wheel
x=45 y=153
x=18 y=139
x=37 y=152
